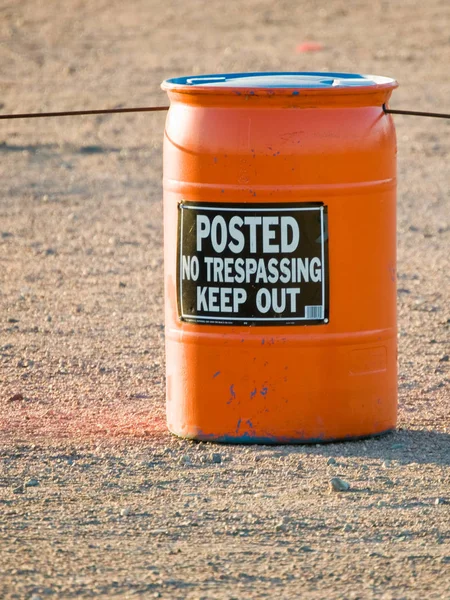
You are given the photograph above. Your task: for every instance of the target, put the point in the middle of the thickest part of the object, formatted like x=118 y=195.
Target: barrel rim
x=180 y=85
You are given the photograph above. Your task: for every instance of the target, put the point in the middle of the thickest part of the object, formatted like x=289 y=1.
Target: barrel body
x=280 y=262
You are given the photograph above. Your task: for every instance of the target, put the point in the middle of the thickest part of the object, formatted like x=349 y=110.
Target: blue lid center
x=281 y=80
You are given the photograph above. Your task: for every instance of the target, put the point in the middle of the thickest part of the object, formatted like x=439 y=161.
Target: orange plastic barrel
x=280 y=257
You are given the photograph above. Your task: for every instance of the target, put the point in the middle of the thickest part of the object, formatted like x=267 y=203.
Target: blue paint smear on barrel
x=248 y=438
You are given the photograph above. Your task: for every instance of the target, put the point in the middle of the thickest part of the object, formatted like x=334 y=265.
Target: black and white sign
x=253 y=264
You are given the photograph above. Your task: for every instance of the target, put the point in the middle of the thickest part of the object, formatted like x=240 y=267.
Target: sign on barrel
x=264 y=264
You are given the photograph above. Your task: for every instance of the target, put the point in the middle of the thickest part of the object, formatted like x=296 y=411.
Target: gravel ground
x=97 y=500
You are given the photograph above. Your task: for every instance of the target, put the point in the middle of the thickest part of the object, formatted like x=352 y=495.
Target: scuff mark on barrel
x=253 y=393
x=264 y=391
x=238 y=425
x=216 y=374
x=232 y=394
x=392 y=272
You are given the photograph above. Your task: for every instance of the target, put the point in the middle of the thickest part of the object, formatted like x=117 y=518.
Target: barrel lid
x=280 y=80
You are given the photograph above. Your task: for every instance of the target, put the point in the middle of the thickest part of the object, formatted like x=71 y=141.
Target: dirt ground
x=97 y=499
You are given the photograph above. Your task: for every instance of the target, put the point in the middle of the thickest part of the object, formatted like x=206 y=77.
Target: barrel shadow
x=404 y=445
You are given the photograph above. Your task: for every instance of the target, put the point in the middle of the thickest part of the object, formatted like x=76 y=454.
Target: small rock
x=216 y=458
x=25 y=364
x=19 y=490
x=125 y=512
x=32 y=483
x=445 y=358
x=339 y=485
x=398 y=446
x=35 y=597
x=122 y=284
x=347 y=527
x=331 y=461
x=16 y=398
x=280 y=527
x=185 y=460
x=386 y=464
x=440 y=501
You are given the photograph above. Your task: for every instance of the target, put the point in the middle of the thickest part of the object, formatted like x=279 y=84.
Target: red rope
x=106 y=111
x=70 y=113
x=416 y=113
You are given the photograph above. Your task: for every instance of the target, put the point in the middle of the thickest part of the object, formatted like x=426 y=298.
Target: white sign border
x=211 y=319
